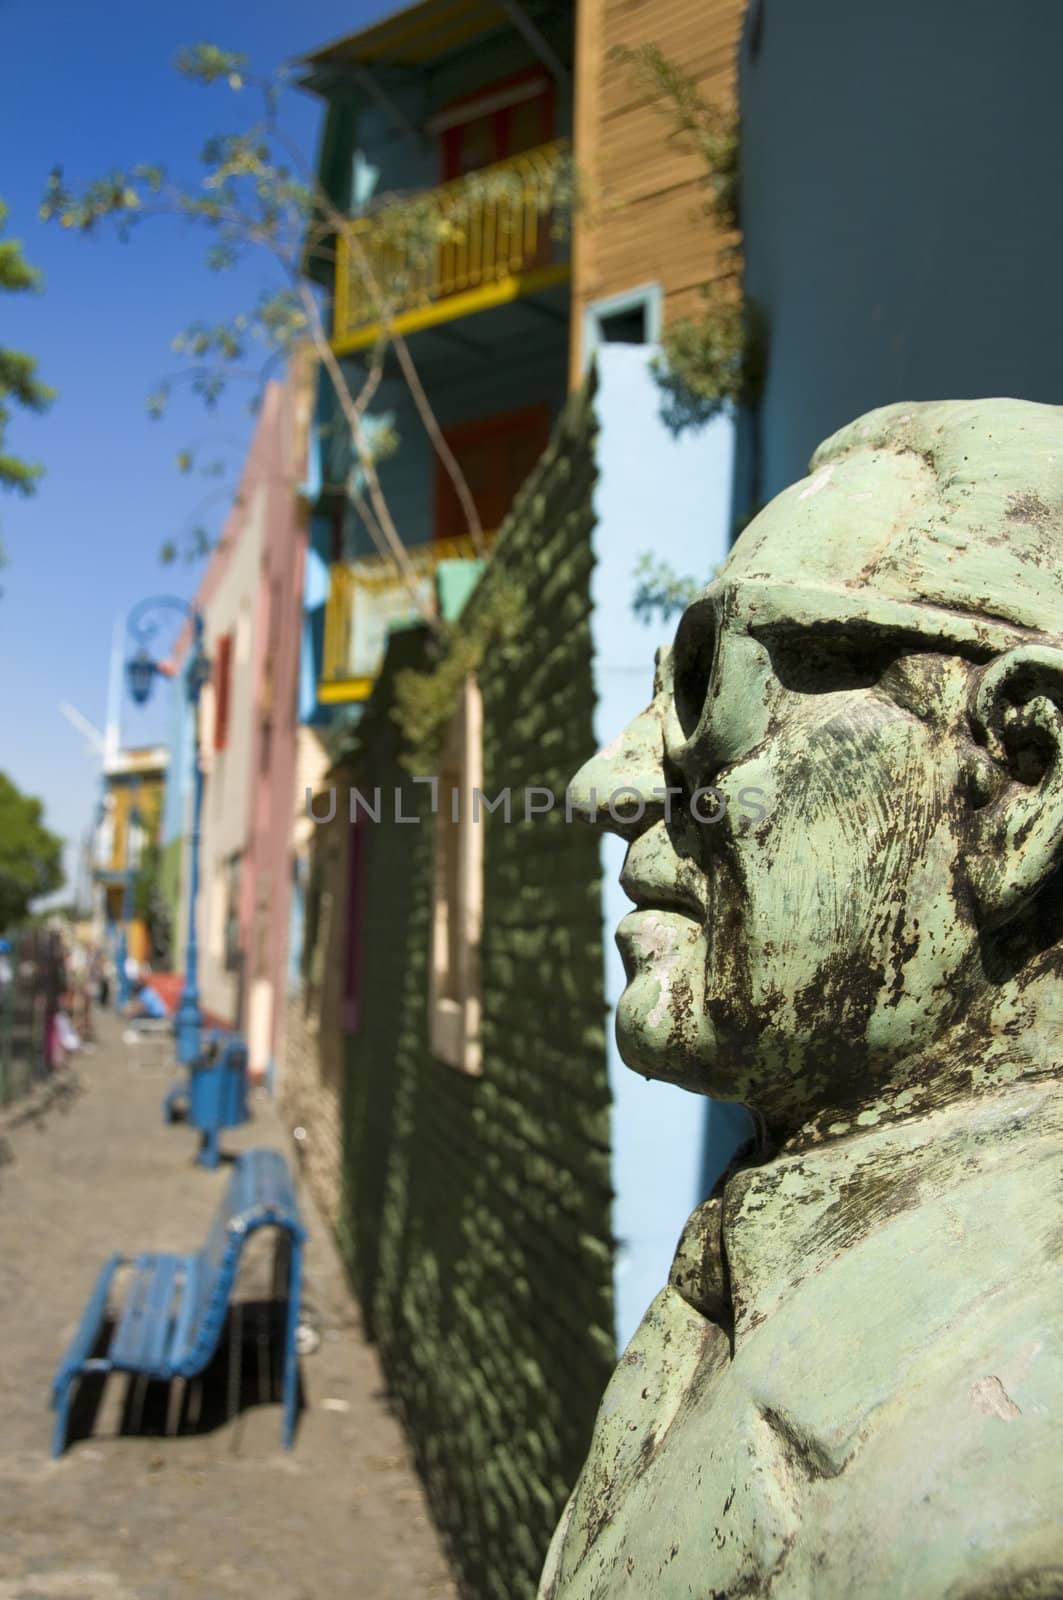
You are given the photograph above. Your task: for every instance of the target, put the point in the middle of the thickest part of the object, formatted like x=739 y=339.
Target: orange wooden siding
x=645 y=220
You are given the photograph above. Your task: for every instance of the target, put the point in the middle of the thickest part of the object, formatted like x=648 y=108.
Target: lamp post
x=132 y=832
x=141 y=671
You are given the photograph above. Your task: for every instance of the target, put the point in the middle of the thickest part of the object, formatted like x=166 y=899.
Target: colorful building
x=128 y=825
x=508 y=1196
x=467 y=113
x=250 y=600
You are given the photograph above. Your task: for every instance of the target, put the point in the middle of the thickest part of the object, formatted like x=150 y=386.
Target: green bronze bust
x=851 y=1384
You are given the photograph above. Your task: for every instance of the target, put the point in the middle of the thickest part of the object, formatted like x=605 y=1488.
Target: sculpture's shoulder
x=882 y=1416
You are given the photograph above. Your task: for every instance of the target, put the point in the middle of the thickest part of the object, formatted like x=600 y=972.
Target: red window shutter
x=490 y=136
x=222 y=690
x=495 y=454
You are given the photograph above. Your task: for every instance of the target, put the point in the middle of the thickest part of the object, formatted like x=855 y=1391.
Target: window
x=457 y=911
x=506 y=119
x=266 y=693
x=223 y=663
x=265 y=746
x=624 y=327
x=495 y=455
x=632 y=318
x=231 y=942
x=350 y=997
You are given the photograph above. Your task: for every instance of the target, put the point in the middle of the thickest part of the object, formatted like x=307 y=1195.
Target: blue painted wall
x=671 y=496
x=900 y=200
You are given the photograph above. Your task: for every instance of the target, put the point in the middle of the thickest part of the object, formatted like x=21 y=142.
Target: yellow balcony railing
x=367 y=598
x=477 y=242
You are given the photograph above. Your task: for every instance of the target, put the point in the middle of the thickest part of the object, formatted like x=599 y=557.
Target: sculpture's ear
x=1016 y=842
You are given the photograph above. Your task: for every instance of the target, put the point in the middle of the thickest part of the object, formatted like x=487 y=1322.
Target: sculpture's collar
x=784 y=1221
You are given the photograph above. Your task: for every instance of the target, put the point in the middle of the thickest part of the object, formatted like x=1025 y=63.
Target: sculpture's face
x=790 y=951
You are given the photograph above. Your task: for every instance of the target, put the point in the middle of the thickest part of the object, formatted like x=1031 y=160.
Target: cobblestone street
x=217 y=1509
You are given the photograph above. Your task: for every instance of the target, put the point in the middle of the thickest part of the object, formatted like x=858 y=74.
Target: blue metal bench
x=171 y=1321
x=214 y=1095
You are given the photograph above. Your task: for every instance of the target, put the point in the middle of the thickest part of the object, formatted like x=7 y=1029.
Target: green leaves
x=712 y=362
x=206 y=63
x=18 y=372
x=426 y=701
x=157 y=402
x=247 y=191
x=116 y=196
x=224 y=342
x=16 y=274
x=18 y=377
x=698 y=125
x=30 y=855
x=220 y=257
x=660 y=589
x=716 y=361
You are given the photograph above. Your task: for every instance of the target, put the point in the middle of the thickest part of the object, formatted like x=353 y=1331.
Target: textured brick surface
x=314 y=1045
x=474 y=1212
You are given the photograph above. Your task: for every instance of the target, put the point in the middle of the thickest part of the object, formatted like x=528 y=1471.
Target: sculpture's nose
x=622 y=787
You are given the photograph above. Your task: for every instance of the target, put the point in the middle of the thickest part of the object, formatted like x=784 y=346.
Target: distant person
x=147 y=1003
x=52 y=971
x=66 y=1034
x=100 y=973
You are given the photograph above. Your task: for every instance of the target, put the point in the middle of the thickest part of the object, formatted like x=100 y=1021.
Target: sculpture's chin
x=678 y=1047
x=661 y=1020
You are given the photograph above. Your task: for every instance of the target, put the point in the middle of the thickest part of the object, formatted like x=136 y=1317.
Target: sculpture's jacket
x=852 y=1384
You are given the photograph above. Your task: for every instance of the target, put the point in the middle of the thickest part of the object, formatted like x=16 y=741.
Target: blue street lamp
x=141 y=671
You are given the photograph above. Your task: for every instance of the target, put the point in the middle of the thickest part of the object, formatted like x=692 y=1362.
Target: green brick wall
x=475 y=1212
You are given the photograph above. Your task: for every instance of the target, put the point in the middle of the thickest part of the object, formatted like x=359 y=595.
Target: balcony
x=478 y=242
x=366 y=600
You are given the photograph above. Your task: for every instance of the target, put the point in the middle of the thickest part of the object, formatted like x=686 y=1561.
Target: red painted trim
x=223 y=663
x=450 y=138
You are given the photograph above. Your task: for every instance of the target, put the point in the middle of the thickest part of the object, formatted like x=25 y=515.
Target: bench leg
x=209 y=1150
x=61 y=1402
x=195 y=1403
x=291 y=1359
x=174 y=1400
x=236 y=1360
x=172 y=1100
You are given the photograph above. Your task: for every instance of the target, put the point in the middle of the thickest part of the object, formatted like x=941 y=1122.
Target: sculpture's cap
x=955 y=504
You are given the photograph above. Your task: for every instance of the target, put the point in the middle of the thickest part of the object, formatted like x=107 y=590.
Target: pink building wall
x=277 y=636
x=252 y=590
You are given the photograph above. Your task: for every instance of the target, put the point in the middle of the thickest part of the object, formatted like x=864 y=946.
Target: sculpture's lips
x=650 y=894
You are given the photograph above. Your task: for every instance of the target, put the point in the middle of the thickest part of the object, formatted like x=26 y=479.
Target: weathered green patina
x=852 y=1383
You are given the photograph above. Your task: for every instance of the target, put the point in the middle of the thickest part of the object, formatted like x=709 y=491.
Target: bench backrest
x=259 y=1194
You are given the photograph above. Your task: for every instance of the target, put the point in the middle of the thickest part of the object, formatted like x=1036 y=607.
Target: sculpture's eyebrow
x=770 y=610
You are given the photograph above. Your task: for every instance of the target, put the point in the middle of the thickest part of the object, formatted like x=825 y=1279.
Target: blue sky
x=92 y=87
